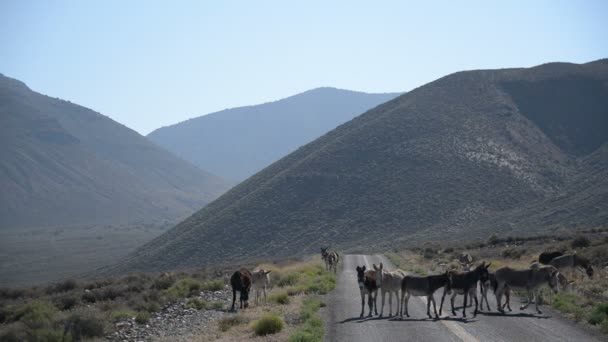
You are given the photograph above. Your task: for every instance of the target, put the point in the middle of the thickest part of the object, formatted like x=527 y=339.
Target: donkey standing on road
x=391 y=283
x=529 y=280
x=466 y=284
x=490 y=283
x=241 y=281
x=572 y=261
x=331 y=259
x=260 y=282
x=424 y=286
x=368 y=284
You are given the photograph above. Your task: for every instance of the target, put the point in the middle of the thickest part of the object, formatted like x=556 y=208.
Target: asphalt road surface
x=344 y=324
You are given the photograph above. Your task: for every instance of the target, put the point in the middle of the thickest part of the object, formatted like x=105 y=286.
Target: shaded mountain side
x=457 y=150
x=63 y=164
x=236 y=143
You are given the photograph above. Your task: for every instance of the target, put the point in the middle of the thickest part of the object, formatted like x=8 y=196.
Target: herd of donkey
x=371 y=281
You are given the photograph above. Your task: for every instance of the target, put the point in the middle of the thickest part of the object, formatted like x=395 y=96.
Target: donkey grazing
x=241 y=281
x=530 y=280
x=260 y=282
x=466 y=284
x=390 y=282
x=546 y=257
x=331 y=259
x=368 y=284
x=424 y=286
x=572 y=261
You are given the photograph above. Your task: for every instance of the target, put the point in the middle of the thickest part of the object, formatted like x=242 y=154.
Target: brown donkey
x=466 y=283
x=241 y=281
x=369 y=284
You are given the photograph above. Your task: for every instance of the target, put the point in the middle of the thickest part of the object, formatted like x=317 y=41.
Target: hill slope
x=236 y=143
x=442 y=157
x=62 y=164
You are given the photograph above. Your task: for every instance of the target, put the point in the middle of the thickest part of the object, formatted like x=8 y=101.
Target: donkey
x=424 y=286
x=260 y=281
x=241 y=281
x=529 y=279
x=369 y=284
x=572 y=261
x=390 y=282
x=484 y=289
x=546 y=257
x=466 y=261
x=466 y=284
x=331 y=259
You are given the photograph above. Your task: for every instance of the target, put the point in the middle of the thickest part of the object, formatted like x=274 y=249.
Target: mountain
x=63 y=164
x=236 y=143
x=442 y=159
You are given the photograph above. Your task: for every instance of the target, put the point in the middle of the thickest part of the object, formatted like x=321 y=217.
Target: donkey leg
x=383 y=294
x=376 y=302
x=390 y=304
x=441 y=305
x=265 y=296
x=508 y=300
x=464 y=307
x=406 y=301
x=537 y=295
x=452 y=299
x=476 y=305
x=528 y=300
x=362 y=303
x=233 y=299
x=428 y=306
x=435 y=307
x=370 y=303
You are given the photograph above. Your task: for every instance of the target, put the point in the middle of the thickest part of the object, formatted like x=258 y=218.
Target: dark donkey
x=424 y=286
x=466 y=283
x=369 y=284
x=241 y=281
x=546 y=257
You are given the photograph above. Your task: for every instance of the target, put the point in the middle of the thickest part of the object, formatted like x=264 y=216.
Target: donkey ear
x=363 y=268
x=488 y=265
x=358 y=268
x=375 y=267
x=267 y=272
x=381 y=266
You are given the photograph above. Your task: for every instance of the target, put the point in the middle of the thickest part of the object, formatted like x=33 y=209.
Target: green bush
x=279 y=298
x=184 y=288
x=599 y=314
x=196 y=303
x=312 y=329
x=85 y=323
x=580 y=241
x=64 y=286
x=226 y=323
x=568 y=302
x=66 y=302
x=35 y=314
x=142 y=317
x=121 y=315
x=513 y=253
x=213 y=285
x=163 y=282
x=268 y=324
x=288 y=279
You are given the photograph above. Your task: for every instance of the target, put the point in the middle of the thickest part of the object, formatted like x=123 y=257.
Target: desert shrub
x=268 y=324
x=493 y=239
x=121 y=315
x=184 y=288
x=580 y=241
x=196 y=303
x=428 y=253
x=88 y=297
x=163 y=282
x=64 y=286
x=142 y=317
x=448 y=250
x=218 y=306
x=35 y=314
x=85 y=323
x=599 y=314
x=8 y=293
x=14 y=333
x=279 y=298
x=288 y=279
x=66 y=302
x=213 y=285
x=110 y=293
x=513 y=253
x=226 y=323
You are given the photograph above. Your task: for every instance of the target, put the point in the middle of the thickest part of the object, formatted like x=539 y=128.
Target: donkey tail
x=337 y=258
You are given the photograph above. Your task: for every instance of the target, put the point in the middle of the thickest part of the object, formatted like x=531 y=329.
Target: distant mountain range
x=236 y=143
x=512 y=151
x=63 y=164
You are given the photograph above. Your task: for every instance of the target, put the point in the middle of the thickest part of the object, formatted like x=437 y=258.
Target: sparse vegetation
x=279 y=298
x=312 y=328
x=580 y=241
x=228 y=322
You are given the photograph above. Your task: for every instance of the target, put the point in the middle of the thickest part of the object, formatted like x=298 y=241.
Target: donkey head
x=483 y=272
x=324 y=252
x=361 y=275
x=553 y=275
x=378 y=275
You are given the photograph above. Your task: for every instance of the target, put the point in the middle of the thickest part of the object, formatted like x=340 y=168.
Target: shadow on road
x=507 y=315
x=405 y=319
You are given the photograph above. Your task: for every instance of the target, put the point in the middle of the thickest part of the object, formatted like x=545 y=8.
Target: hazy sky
x=147 y=64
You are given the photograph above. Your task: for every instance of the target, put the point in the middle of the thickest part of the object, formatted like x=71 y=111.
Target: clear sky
x=148 y=64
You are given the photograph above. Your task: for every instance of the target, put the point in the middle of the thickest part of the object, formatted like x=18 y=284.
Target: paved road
x=344 y=324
